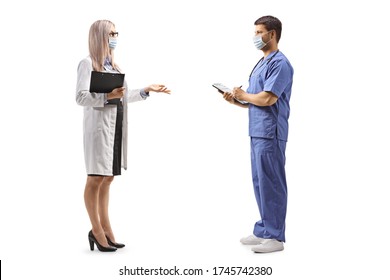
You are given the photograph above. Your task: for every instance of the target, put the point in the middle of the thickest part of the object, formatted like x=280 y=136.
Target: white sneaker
x=252 y=240
x=268 y=246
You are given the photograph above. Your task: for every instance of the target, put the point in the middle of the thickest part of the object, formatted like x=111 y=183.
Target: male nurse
x=268 y=101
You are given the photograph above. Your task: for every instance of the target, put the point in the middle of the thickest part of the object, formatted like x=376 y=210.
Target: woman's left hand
x=157 y=88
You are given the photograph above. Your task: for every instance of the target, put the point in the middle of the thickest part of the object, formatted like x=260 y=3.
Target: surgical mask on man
x=112 y=42
x=258 y=41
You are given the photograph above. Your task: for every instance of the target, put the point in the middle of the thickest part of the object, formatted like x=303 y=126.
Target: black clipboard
x=103 y=82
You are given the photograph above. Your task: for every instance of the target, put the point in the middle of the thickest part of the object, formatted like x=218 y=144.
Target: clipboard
x=222 y=89
x=104 y=82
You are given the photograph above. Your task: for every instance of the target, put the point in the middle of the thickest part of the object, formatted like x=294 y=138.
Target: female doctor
x=105 y=130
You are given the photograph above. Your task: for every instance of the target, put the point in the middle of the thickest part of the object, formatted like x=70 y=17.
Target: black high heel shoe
x=92 y=241
x=116 y=245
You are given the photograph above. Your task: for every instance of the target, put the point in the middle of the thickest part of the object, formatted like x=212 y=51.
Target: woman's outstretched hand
x=157 y=88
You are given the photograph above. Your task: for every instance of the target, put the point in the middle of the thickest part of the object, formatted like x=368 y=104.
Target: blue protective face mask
x=112 y=42
x=258 y=41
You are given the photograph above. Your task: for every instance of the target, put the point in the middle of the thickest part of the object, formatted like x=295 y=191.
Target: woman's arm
x=141 y=94
x=83 y=96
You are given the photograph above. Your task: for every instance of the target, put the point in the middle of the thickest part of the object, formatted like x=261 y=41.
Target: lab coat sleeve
x=83 y=96
x=133 y=95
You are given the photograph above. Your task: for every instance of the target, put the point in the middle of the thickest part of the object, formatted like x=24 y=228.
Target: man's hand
x=239 y=94
x=229 y=97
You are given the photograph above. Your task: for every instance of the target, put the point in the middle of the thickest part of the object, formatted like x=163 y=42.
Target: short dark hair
x=271 y=23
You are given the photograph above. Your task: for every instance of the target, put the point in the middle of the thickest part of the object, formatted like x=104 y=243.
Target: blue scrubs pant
x=269 y=182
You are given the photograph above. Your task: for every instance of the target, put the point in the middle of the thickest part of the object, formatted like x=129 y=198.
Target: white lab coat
x=99 y=123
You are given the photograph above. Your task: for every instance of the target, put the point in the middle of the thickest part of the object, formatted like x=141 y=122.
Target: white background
x=187 y=198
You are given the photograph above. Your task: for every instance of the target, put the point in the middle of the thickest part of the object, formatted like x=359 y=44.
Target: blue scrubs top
x=274 y=74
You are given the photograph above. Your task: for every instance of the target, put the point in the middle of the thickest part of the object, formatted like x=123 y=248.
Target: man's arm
x=263 y=98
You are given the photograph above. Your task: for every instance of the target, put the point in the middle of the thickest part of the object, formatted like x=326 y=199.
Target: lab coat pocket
x=93 y=119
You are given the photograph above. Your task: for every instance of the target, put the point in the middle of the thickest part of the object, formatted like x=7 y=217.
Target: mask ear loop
x=271 y=36
x=261 y=59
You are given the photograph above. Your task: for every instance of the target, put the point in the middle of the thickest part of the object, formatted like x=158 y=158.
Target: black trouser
x=117 y=161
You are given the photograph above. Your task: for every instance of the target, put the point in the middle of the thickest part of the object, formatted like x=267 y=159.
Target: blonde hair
x=98 y=44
